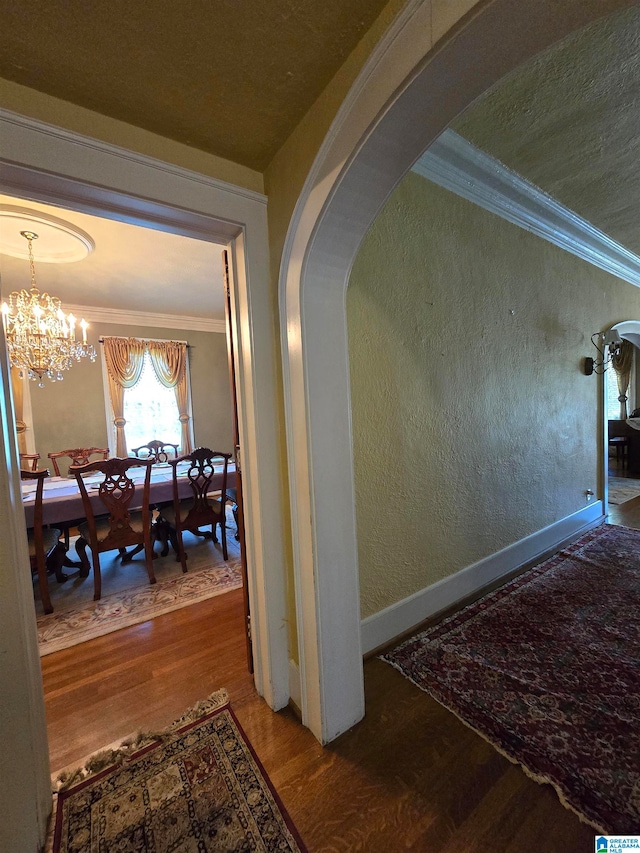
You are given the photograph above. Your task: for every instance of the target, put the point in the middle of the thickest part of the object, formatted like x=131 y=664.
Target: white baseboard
x=381 y=628
x=295 y=690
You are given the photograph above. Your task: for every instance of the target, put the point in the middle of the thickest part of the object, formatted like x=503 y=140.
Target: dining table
x=62 y=501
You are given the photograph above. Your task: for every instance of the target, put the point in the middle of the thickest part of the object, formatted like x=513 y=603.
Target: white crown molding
x=144 y=318
x=382 y=628
x=455 y=164
x=114 y=150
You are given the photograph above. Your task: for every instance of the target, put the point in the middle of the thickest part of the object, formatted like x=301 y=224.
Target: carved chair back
x=116 y=492
x=78 y=456
x=159 y=449
x=29 y=461
x=202 y=510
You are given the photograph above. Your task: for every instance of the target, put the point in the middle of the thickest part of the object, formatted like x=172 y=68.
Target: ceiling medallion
x=59 y=242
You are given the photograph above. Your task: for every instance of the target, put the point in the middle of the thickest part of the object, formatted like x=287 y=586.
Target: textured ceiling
x=230 y=78
x=569 y=121
x=131 y=269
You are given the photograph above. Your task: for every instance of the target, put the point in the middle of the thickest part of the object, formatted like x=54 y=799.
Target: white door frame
x=418 y=79
x=42 y=162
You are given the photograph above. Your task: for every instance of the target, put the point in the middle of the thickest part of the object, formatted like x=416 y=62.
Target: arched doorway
x=406 y=95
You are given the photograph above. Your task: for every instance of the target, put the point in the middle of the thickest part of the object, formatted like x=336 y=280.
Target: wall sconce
x=608 y=346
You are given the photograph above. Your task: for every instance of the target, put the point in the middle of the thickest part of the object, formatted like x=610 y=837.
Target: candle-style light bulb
x=72 y=324
x=83 y=326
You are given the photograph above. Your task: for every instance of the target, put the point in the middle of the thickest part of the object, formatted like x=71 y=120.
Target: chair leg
x=81 y=551
x=56 y=560
x=223 y=535
x=234 y=510
x=149 y=555
x=173 y=538
x=43 y=585
x=97 y=577
x=181 y=552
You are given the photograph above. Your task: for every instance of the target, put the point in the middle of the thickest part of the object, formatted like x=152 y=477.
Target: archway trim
x=406 y=95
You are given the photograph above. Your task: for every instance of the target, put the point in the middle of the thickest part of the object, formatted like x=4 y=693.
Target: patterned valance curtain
x=622 y=364
x=169 y=361
x=124 y=358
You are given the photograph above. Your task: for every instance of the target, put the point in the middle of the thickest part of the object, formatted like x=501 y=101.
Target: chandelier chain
x=30 y=236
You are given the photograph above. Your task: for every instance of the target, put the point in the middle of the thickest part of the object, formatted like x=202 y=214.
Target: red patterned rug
x=197 y=786
x=547 y=669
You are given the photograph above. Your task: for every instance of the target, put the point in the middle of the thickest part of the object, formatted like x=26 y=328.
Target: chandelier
x=41 y=339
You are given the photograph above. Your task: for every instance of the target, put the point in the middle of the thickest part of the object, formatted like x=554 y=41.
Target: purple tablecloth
x=62 y=501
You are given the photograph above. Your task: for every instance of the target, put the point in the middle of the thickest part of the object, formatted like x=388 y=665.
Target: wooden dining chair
x=158 y=449
x=121 y=526
x=202 y=508
x=29 y=461
x=46 y=552
x=77 y=455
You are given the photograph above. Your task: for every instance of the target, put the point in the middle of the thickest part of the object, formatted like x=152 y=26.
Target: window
x=612 y=404
x=150 y=410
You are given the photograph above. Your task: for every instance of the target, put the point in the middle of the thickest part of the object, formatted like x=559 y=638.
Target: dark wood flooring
x=409 y=777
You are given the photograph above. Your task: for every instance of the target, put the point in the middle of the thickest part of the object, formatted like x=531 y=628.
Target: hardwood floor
x=409 y=777
x=628 y=513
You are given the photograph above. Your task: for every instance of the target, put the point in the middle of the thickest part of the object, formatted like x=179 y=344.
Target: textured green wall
x=473 y=424
x=71 y=413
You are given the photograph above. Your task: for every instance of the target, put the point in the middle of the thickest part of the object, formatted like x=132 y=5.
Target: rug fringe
x=119 y=754
x=535 y=777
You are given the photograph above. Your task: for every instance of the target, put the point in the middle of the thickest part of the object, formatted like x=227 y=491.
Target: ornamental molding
x=107 y=148
x=144 y=318
x=455 y=164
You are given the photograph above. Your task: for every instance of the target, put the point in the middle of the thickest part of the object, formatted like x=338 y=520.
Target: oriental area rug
x=127 y=596
x=546 y=668
x=198 y=786
x=623 y=489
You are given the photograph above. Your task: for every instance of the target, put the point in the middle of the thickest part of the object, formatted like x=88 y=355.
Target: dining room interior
x=122 y=282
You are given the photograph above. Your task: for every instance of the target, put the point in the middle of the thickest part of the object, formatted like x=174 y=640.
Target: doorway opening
x=43 y=164
x=140 y=277
x=621 y=470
